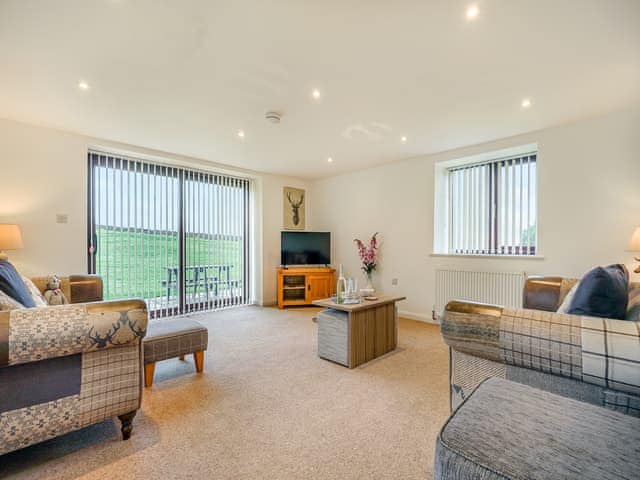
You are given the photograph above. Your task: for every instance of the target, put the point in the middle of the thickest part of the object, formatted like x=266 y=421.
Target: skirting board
x=421 y=317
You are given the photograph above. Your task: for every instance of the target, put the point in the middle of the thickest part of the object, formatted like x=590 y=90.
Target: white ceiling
x=184 y=76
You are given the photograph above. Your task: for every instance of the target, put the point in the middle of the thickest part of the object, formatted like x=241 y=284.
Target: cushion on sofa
x=602 y=292
x=7 y=303
x=12 y=284
x=566 y=303
x=35 y=293
x=633 y=308
x=506 y=430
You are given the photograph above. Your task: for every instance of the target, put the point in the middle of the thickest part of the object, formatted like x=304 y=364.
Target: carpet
x=267 y=407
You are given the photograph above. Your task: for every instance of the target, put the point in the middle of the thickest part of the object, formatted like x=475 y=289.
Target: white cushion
x=37 y=297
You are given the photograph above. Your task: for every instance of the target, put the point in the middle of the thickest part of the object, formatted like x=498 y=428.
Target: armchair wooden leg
x=149 y=370
x=198 y=357
x=127 y=424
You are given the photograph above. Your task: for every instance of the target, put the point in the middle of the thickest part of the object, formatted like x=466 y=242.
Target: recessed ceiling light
x=526 y=103
x=472 y=12
x=403 y=139
x=315 y=94
x=82 y=85
x=240 y=133
x=330 y=160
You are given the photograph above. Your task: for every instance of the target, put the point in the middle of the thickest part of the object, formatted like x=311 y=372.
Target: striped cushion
x=36 y=295
x=633 y=308
x=8 y=303
x=564 y=306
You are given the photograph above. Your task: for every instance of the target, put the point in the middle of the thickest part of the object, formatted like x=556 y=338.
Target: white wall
x=272 y=221
x=589 y=203
x=43 y=172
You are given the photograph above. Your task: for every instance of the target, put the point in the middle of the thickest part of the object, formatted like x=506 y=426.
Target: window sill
x=504 y=257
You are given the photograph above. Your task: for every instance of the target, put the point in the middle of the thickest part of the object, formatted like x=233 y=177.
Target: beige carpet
x=267 y=407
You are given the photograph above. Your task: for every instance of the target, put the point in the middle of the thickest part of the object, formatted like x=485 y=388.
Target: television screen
x=306 y=248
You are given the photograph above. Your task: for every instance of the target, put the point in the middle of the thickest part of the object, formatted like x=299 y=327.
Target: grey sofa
x=550 y=367
x=65 y=367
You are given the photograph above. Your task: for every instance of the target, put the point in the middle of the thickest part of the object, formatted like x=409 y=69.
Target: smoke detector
x=272 y=117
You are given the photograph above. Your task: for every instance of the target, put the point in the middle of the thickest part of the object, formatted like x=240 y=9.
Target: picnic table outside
x=199 y=279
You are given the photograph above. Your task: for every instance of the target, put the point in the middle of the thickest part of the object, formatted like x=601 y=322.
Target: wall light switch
x=394 y=281
x=62 y=218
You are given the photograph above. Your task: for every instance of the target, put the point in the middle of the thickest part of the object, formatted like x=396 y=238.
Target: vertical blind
x=492 y=207
x=177 y=237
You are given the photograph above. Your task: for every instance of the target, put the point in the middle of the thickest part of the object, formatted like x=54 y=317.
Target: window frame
x=444 y=230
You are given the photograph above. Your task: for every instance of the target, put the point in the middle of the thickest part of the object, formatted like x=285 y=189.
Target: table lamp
x=634 y=246
x=10 y=239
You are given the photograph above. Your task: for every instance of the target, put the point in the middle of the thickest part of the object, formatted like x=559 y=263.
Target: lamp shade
x=10 y=237
x=634 y=243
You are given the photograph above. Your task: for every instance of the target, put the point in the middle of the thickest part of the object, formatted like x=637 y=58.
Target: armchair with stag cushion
x=68 y=366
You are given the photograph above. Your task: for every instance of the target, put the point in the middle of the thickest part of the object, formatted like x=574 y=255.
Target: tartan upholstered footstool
x=173 y=338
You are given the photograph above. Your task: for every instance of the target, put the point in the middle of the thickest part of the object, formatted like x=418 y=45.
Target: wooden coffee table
x=370 y=331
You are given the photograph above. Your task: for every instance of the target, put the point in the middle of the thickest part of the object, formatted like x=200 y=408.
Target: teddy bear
x=53 y=294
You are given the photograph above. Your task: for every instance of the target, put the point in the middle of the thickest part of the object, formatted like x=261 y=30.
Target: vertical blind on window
x=492 y=207
x=177 y=237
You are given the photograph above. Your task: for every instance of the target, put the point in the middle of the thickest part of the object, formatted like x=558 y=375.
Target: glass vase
x=369 y=284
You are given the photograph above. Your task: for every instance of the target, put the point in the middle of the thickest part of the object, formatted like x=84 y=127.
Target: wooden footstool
x=173 y=338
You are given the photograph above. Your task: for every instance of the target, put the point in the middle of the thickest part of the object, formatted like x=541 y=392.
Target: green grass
x=528 y=236
x=134 y=264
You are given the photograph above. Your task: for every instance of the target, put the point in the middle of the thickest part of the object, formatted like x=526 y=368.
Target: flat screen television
x=305 y=248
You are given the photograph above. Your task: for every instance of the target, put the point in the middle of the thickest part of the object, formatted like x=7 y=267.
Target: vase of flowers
x=369 y=257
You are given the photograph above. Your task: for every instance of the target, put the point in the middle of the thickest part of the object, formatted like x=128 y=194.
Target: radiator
x=497 y=288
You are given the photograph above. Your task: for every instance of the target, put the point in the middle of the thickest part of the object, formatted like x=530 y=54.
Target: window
x=492 y=206
x=177 y=237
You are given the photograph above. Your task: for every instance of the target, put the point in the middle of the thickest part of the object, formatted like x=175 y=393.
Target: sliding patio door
x=179 y=238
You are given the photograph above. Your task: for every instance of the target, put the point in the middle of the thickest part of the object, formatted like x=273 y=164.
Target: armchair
x=65 y=367
x=594 y=360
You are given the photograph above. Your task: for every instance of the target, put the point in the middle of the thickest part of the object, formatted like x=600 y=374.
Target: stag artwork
x=294 y=208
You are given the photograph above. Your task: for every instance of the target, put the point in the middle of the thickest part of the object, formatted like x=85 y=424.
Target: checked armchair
x=65 y=367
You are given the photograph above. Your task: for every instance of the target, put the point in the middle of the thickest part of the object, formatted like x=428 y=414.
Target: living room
x=160 y=162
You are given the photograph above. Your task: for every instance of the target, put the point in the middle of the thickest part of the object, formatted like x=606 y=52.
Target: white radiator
x=503 y=289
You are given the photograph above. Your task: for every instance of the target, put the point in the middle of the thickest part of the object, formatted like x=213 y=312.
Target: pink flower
x=368 y=253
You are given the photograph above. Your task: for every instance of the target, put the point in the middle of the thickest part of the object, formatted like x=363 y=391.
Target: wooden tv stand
x=301 y=286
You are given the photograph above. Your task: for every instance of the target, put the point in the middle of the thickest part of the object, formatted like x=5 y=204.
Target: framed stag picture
x=294 y=206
